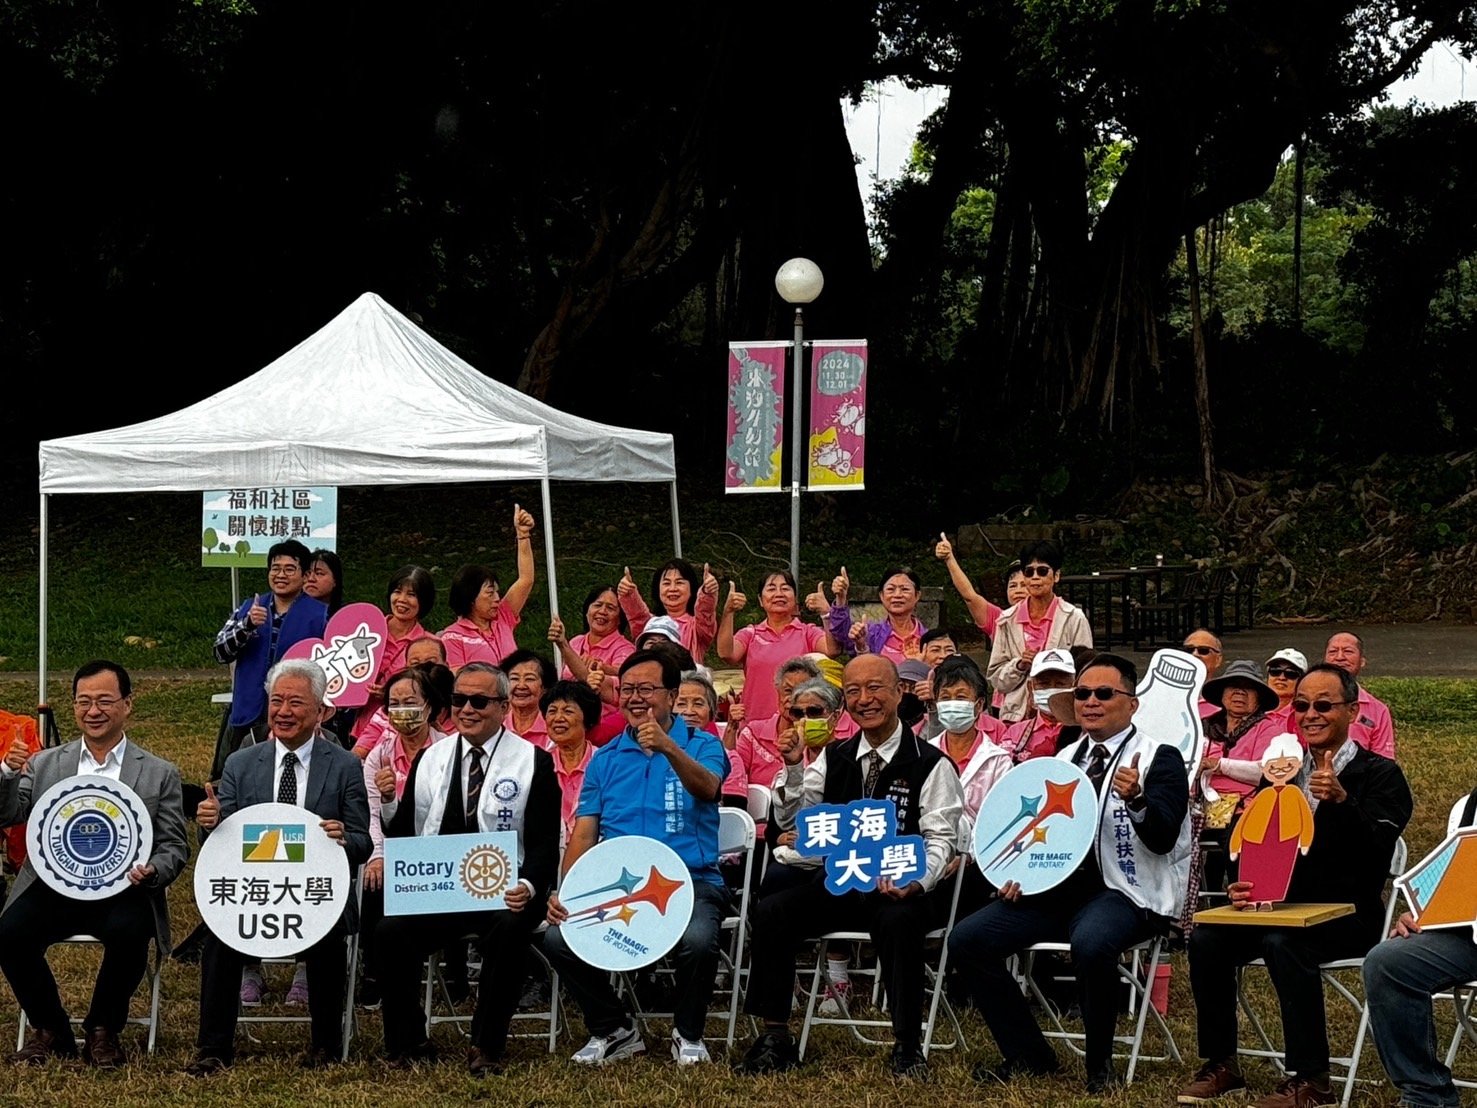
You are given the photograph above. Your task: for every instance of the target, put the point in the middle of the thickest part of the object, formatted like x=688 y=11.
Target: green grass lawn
x=175 y=720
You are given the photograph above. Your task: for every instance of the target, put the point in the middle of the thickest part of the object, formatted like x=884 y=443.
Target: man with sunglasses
x=485 y=779
x=1206 y=646
x=1372 y=727
x=661 y=779
x=1127 y=890
x=1361 y=804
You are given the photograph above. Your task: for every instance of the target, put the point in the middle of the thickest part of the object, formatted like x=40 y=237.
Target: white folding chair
x=760 y=798
x=1137 y=969
x=934 y=982
x=151 y=1021
x=1462 y=998
x=550 y=1017
x=351 y=974
x=1329 y=971
x=736 y=836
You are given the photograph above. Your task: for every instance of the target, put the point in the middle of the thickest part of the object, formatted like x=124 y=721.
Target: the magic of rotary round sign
x=1036 y=825
x=270 y=882
x=629 y=901
x=85 y=834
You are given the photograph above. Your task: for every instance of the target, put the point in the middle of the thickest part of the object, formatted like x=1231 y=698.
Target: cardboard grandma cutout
x=1277 y=826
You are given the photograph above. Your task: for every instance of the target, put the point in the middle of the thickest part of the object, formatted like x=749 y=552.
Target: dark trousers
x=220 y=994
x=40 y=917
x=1100 y=925
x=799 y=907
x=695 y=960
x=402 y=944
x=1292 y=955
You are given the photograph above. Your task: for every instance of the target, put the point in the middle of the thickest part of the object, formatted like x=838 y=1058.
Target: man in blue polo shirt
x=660 y=779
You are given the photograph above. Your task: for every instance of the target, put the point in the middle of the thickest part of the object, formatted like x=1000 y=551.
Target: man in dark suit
x=484 y=779
x=37 y=916
x=300 y=767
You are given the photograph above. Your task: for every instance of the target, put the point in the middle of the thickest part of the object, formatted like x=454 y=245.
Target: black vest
x=901 y=780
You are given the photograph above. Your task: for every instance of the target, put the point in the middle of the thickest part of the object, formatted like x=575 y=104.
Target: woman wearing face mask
x=1043 y=621
x=677 y=590
x=413 y=702
x=755 y=759
x=971 y=736
x=421 y=653
x=1039 y=735
x=761 y=647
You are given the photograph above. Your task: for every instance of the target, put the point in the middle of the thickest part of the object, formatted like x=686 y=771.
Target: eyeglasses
x=1103 y=693
x=1322 y=707
x=1036 y=571
x=101 y=703
x=477 y=700
x=641 y=692
x=1284 y=671
x=1203 y=651
x=815 y=711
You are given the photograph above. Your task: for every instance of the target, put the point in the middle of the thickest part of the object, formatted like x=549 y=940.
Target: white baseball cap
x=1292 y=657
x=1055 y=660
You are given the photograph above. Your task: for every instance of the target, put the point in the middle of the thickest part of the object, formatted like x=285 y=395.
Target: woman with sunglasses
x=755 y=757
x=1043 y=621
x=1284 y=670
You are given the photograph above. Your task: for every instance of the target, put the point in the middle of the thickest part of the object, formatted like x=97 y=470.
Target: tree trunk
x=1299 y=153
x=1202 y=378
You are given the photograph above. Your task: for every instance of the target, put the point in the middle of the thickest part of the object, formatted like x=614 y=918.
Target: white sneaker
x=625 y=1043
x=686 y=1053
x=837 y=1000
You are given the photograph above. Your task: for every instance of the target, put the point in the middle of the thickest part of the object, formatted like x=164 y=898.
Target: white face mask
x=1042 y=698
x=958 y=715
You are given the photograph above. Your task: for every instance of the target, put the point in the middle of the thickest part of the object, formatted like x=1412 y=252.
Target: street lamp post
x=799 y=281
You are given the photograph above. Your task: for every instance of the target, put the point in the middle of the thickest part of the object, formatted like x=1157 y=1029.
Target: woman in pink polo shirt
x=1043 y=621
x=761 y=648
x=572 y=710
x=604 y=640
x=529 y=677
x=683 y=597
x=409 y=599
x=483 y=631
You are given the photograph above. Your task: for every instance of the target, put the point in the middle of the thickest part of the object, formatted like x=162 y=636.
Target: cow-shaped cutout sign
x=349 y=653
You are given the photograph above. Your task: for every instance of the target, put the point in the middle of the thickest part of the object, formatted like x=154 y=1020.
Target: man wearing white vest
x=1126 y=891
x=485 y=779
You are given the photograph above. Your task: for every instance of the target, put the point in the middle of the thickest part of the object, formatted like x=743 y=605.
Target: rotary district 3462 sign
x=85 y=834
x=427 y=874
x=270 y=882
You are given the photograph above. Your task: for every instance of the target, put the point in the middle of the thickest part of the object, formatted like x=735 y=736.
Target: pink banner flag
x=838 y=414
x=756 y=411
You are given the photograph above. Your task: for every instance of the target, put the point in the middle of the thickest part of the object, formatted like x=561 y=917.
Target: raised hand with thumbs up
x=710 y=583
x=1126 y=779
x=256 y=615
x=943 y=550
x=208 y=811
x=16 y=755
x=816 y=602
x=841 y=589
x=736 y=601
x=626 y=586
x=1323 y=783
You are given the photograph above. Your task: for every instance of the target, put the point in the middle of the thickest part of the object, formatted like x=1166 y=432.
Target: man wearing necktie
x=295 y=766
x=885 y=760
x=1128 y=889
x=447 y=793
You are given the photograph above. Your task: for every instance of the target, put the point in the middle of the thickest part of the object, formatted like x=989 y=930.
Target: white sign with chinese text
x=270 y=882
x=239 y=526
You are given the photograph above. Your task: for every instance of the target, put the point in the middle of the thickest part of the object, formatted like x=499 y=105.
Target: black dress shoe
x=1102 y=1082
x=908 y=1063
x=482 y=1064
x=772 y=1052
x=422 y=1054
x=1012 y=1068
x=102 y=1049
x=207 y=1065
x=43 y=1045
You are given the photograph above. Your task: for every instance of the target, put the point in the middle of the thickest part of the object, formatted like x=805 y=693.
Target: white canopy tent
x=368 y=400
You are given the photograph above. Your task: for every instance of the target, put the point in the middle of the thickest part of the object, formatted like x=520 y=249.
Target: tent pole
x=549 y=549
x=41 y=698
x=676 y=526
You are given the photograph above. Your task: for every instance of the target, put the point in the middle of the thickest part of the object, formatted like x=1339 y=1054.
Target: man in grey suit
x=37 y=916
x=295 y=766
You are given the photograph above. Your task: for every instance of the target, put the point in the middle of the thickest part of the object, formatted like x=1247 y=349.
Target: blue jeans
x=694 y=958
x=1400 y=976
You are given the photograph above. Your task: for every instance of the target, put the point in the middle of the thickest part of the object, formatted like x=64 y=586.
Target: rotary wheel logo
x=485 y=872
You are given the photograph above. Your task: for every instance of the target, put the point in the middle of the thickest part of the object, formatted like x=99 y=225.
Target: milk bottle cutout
x=1169 y=711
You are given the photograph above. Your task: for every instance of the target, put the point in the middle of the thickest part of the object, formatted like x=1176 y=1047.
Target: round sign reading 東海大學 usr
x=629 y=900
x=270 y=882
x=86 y=833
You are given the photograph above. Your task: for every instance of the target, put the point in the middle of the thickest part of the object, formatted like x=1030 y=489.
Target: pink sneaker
x=297 y=995
x=251 y=988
